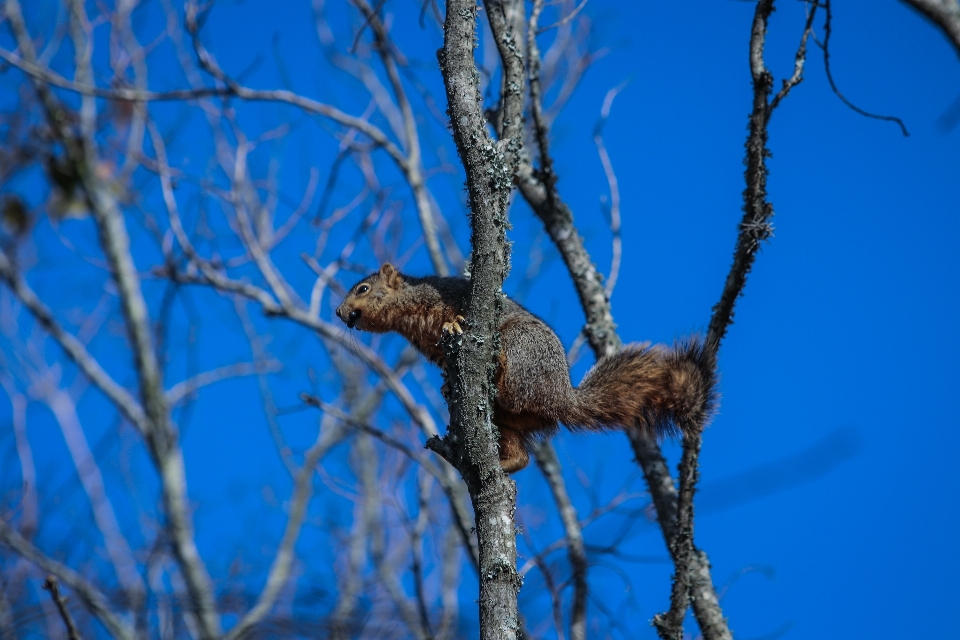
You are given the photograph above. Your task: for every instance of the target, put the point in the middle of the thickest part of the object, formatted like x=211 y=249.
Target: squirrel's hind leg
x=513 y=452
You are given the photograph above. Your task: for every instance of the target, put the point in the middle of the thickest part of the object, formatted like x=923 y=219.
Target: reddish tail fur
x=666 y=389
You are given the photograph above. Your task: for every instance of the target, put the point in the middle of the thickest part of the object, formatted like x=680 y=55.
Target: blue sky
x=828 y=478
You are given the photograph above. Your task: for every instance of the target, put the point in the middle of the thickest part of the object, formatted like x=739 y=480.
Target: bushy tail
x=665 y=389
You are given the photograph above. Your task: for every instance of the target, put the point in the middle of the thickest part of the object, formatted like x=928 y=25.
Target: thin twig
x=51 y=585
x=565 y=20
x=833 y=85
x=184 y=390
x=616 y=242
x=414 y=172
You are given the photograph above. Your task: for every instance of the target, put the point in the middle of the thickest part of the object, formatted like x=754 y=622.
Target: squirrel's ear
x=391 y=276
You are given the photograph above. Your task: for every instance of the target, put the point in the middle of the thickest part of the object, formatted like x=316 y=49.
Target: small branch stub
x=53 y=586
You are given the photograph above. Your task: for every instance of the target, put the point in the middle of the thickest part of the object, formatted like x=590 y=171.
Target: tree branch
x=538 y=188
x=95 y=601
x=51 y=585
x=546 y=457
x=115 y=242
x=690 y=580
x=471 y=357
x=120 y=397
x=414 y=160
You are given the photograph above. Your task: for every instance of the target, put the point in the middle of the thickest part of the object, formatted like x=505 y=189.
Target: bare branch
x=565 y=20
x=470 y=357
x=447 y=484
x=414 y=162
x=95 y=601
x=690 y=580
x=944 y=14
x=115 y=243
x=546 y=457
x=538 y=188
x=185 y=390
x=120 y=397
x=88 y=471
x=510 y=47
x=283 y=560
x=827 y=29
x=28 y=471
x=51 y=585
x=617 y=248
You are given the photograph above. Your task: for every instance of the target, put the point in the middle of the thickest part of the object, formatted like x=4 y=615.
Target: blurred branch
x=117 y=546
x=372 y=503
x=120 y=397
x=185 y=390
x=283 y=560
x=614 y=213
x=942 y=13
x=546 y=457
x=565 y=20
x=414 y=161
x=29 y=511
x=461 y=519
x=95 y=601
x=115 y=242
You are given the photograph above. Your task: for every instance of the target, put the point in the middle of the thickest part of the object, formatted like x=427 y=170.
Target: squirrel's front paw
x=454 y=325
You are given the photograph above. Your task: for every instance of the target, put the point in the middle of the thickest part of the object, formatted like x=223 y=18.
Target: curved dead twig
x=184 y=390
x=565 y=20
x=827 y=29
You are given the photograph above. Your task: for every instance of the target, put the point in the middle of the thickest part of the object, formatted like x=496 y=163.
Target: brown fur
x=662 y=389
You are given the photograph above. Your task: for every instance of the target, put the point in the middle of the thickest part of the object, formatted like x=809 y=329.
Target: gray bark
x=944 y=14
x=471 y=443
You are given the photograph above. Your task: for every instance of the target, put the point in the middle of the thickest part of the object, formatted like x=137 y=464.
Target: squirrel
x=662 y=389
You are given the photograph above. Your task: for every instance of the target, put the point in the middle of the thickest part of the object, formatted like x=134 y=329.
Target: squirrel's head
x=369 y=302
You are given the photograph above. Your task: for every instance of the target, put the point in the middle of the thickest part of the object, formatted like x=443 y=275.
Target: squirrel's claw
x=454 y=326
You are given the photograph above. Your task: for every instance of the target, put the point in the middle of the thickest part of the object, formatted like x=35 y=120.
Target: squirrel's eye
x=363 y=289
